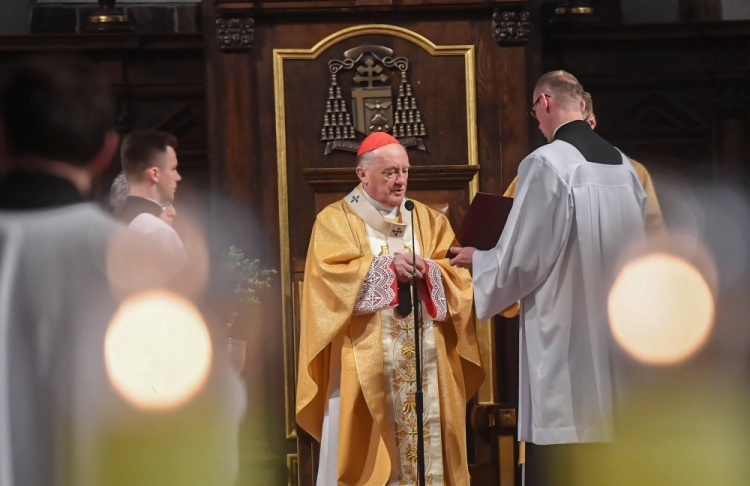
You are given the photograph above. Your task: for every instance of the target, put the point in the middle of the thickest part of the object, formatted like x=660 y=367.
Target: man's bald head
x=557 y=99
x=564 y=87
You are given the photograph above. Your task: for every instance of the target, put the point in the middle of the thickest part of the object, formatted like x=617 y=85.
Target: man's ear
x=104 y=157
x=361 y=174
x=152 y=174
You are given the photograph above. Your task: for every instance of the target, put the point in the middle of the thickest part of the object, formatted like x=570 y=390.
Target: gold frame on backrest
x=484 y=328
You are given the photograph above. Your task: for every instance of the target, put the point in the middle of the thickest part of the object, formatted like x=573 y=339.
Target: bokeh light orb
x=661 y=309
x=157 y=350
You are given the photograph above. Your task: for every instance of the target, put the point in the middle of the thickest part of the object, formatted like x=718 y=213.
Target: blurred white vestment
x=55 y=305
x=165 y=239
x=61 y=421
x=570 y=222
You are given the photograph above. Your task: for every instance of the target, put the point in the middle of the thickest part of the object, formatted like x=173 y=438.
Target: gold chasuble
x=356 y=384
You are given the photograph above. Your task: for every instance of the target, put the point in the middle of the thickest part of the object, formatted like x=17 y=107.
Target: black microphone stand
x=418 y=398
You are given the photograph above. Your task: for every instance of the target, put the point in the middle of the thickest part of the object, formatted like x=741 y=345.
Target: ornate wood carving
x=235 y=34
x=432 y=177
x=510 y=27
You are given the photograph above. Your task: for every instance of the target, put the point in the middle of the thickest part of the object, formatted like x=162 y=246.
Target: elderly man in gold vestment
x=355 y=392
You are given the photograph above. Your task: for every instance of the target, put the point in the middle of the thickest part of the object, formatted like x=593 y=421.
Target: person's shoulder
x=334 y=210
x=146 y=218
x=79 y=224
x=558 y=158
x=639 y=169
x=147 y=222
x=432 y=216
x=559 y=154
x=423 y=207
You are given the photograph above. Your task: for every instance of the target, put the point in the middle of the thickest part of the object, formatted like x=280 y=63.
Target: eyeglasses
x=532 y=113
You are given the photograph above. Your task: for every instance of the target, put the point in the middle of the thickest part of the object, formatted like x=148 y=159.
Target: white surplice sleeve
x=536 y=231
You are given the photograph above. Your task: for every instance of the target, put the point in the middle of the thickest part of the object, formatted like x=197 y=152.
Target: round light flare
x=661 y=309
x=157 y=350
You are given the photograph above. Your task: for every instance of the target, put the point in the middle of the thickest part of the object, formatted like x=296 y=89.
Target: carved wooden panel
x=671 y=96
x=266 y=121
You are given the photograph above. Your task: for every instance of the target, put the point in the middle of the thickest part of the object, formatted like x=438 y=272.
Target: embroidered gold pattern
x=403 y=382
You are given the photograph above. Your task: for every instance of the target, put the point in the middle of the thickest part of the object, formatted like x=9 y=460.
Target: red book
x=484 y=221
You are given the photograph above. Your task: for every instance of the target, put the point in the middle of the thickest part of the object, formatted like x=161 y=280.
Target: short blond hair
x=588 y=110
x=563 y=86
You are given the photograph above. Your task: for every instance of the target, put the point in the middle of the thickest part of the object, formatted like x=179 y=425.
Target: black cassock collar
x=135 y=206
x=23 y=190
x=594 y=148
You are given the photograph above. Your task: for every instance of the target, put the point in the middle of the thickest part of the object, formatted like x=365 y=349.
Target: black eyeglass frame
x=532 y=113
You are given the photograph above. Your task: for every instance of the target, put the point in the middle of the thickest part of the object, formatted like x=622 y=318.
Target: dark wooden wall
x=159 y=83
x=674 y=97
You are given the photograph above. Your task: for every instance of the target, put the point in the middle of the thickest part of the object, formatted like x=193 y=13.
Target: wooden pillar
x=237 y=200
x=228 y=44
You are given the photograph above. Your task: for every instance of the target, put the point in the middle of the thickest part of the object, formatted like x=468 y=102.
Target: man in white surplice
x=577 y=205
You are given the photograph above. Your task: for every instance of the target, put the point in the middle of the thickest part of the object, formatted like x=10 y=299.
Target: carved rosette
x=510 y=27
x=235 y=34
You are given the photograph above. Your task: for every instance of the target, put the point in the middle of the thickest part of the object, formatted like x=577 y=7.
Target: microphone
x=418 y=397
x=404 y=289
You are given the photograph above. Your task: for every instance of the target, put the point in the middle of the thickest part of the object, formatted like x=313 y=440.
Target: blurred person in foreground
x=58 y=131
x=354 y=317
x=578 y=204
x=61 y=420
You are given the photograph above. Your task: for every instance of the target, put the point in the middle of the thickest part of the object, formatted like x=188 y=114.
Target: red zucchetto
x=375 y=140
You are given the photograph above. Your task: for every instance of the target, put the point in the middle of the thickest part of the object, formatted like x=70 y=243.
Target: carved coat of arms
x=373 y=105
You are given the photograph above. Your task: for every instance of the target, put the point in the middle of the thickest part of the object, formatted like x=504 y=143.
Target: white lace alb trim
x=377 y=291
x=438 y=291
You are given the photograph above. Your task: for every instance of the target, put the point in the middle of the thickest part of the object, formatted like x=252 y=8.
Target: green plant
x=245 y=278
